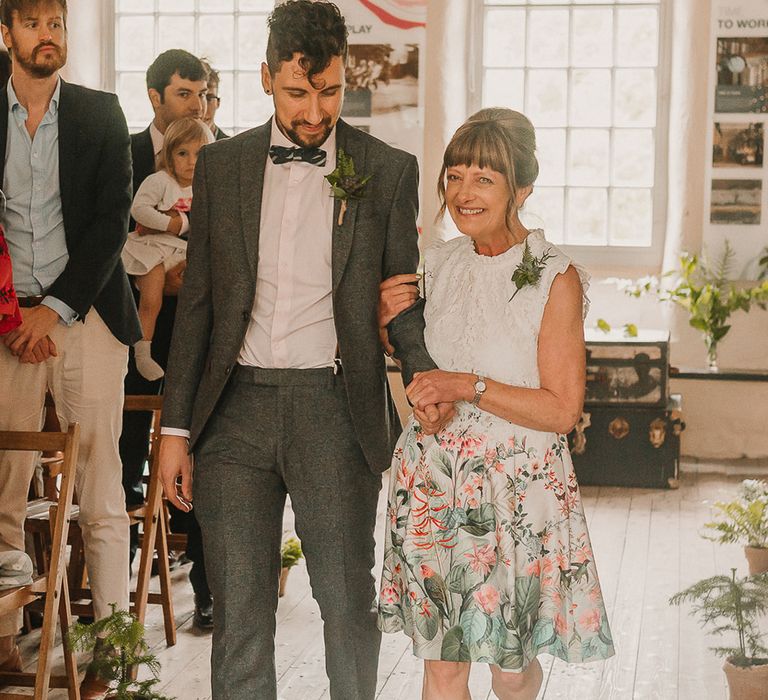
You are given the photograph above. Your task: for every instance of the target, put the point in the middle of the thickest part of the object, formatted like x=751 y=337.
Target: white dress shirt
x=292 y=317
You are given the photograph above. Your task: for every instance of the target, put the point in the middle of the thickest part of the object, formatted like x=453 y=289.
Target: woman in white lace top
x=487 y=555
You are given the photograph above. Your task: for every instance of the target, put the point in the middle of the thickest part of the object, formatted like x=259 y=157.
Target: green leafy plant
x=123 y=635
x=528 y=272
x=290 y=553
x=345 y=183
x=731 y=605
x=703 y=289
x=630 y=329
x=745 y=519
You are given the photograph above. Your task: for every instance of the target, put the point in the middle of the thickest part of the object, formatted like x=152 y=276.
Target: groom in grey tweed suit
x=276 y=381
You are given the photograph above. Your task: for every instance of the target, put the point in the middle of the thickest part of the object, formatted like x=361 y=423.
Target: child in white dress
x=160 y=209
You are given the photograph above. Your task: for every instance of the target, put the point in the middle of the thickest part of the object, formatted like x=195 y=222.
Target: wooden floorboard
x=647 y=545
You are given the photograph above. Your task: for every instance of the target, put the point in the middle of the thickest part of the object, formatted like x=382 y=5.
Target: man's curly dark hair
x=315 y=29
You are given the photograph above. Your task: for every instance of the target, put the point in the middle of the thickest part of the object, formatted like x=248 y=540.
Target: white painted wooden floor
x=647 y=547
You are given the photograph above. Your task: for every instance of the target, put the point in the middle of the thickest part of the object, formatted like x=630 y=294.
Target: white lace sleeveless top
x=473 y=323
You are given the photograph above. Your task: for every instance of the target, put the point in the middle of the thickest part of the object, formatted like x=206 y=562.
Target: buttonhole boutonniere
x=528 y=272
x=345 y=183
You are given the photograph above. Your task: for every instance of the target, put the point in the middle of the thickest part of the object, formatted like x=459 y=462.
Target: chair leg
x=165 y=584
x=70 y=662
x=77 y=574
x=145 y=566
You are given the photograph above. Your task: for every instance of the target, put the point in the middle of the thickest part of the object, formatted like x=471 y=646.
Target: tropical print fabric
x=487 y=554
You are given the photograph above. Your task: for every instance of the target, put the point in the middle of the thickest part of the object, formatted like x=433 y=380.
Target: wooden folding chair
x=152 y=515
x=53 y=583
x=154 y=538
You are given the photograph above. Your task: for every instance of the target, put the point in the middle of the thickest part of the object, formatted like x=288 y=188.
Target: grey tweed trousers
x=278 y=432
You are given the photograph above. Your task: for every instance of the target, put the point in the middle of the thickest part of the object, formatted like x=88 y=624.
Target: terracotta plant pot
x=746 y=682
x=757 y=558
x=283 y=580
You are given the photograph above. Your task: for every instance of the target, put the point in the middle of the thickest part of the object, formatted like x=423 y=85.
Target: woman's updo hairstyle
x=496 y=138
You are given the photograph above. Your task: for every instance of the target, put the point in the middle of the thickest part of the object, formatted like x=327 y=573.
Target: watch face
x=480 y=385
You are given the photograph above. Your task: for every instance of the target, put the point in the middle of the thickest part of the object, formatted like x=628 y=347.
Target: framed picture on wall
x=742 y=75
x=738 y=145
x=736 y=202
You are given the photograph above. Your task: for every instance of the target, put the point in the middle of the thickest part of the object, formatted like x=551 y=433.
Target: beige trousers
x=86 y=381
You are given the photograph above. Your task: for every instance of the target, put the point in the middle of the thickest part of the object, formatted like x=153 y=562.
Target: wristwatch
x=480 y=388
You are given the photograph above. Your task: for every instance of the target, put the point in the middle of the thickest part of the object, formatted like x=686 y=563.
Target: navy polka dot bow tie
x=286 y=154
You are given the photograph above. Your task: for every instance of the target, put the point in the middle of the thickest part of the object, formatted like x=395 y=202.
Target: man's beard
x=49 y=66
x=293 y=134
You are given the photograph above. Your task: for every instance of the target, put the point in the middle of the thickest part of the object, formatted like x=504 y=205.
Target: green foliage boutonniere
x=345 y=183
x=528 y=272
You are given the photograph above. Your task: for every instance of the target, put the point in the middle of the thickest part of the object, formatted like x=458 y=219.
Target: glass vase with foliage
x=705 y=290
x=120 y=639
x=731 y=605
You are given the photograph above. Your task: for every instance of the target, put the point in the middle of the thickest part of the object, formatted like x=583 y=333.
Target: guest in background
x=65 y=168
x=10 y=315
x=176 y=87
x=213 y=101
x=160 y=210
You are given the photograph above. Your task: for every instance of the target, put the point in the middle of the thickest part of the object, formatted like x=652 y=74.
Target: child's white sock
x=148 y=368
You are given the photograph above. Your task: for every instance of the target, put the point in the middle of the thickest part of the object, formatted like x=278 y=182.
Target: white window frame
x=604 y=257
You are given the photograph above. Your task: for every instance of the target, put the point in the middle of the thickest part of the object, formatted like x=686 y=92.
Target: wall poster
x=385 y=71
x=736 y=189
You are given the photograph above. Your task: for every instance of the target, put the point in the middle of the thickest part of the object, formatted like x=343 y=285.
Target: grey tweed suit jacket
x=377 y=239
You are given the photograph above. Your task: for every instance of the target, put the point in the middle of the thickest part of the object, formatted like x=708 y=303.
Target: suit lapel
x=3 y=132
x=344 y=234
x=253 y=158
x=69 y=137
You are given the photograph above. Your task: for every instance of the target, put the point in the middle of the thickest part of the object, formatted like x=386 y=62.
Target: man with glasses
x=213 y=101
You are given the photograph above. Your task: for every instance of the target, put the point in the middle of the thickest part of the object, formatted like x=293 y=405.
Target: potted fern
x=745 y=520
x=290 y=553
x=731 y=605
x=703 y=289
x=123 y=634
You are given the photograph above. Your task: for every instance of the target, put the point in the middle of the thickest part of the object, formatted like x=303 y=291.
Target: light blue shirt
x=33 y=219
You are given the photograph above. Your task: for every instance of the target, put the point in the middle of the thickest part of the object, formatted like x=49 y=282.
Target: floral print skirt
x=487 y=556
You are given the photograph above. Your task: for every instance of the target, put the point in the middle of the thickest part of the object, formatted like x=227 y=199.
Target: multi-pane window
x=231 y=34
x=587 y=73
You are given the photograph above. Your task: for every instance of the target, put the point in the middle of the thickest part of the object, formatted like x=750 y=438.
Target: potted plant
x=123 y=635
x=728 y=604
x=703 y=289
x=745 y=520
x=290 y=554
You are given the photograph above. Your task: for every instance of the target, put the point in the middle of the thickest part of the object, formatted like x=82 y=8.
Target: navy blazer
x=95 y=183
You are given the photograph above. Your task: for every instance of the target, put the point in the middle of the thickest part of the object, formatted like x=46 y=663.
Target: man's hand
x=175 y=226
x=173 y=279
x=176 y=222
x=36 y=324
x=396 y=294
x=174 y=462
x=434 y=417
x=44 y=350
